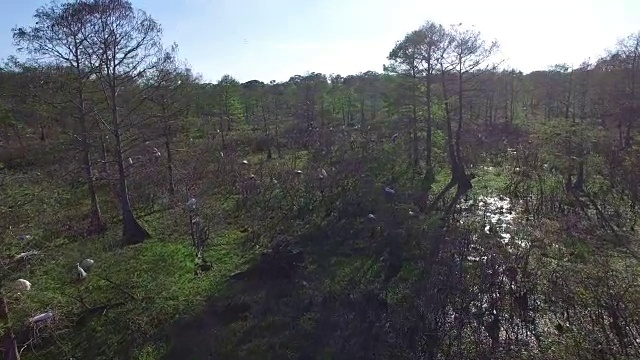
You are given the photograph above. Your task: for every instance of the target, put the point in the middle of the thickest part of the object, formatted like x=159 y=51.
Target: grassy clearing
x=149 y=285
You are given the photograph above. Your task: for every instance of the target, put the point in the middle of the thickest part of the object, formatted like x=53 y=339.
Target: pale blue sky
x=275 y=39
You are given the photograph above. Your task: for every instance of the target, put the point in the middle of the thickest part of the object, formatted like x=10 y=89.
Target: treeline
x=100 y=76
x=99 y=104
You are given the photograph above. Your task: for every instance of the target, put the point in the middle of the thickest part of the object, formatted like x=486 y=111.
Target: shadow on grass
x=320 y=298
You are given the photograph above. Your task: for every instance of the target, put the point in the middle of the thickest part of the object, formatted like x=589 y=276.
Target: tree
x=465 y=55
x=61 y=37
x=171 y=102
x=229 y=102
x=431 y=37
x=129 y=47
x=405 y=60
x=628 y=50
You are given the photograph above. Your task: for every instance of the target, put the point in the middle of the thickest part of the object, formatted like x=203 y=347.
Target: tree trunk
x=167 y=145
x=428 y=144
x=8 y=339
x=414 y=126
x=132 y=232
x=96 y=224
x=105 y=164
x=224 y=145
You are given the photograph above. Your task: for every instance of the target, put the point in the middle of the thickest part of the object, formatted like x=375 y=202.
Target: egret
x=41 y=317
x=245 y=162
x=130 y=161
x=25 y=255
x=191 y=204
x=371 y=216
x=323 y=174
x=87 y=264
x=22 y=285
x=411 y=212
x=299 y=172
x=389 y=190
x=80 y=273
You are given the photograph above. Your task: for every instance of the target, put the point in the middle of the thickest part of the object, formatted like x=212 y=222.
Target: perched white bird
x=323 y=174
x=221 y=154
x=389 y=190
x=299 y=172
x=87 y=264
x=156 y=152
x=22 y=285
x=371 y=216
x=251 y=176
x=41 y=317
x=245 y=162
x=130 y=161
x=191 y=204
x=80 y=272
x=411 y=212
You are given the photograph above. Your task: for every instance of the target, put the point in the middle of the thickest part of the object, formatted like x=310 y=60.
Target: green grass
x=490 y=181
x=154 y=280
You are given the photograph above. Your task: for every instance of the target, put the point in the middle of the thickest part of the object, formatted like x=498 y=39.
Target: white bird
x=371 y=216
x=156 y=152
x=26 y=254
x=131 y=161
x=191 y=204
x=221 y=154
x=323 y=174
x=87 y=264
x=245 y=162
x=80 y=272
x=389 y=190
x=22 y=285
x=411 y=212
x=41 y=317
x=299 y=172
x=251 y=176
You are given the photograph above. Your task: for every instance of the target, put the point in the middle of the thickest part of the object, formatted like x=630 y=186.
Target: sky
x=276 y=39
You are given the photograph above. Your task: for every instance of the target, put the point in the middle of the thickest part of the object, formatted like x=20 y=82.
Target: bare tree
x=173 y=84
x=405 y=60
x=432 y=38
x=465 y=55
x=60 y=38
x=129 y=45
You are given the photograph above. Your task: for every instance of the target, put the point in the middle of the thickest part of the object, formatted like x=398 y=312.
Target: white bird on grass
x=25 y=255
x=80 y=273
x=41 y=317
x=87 y=264
x=22 y=285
